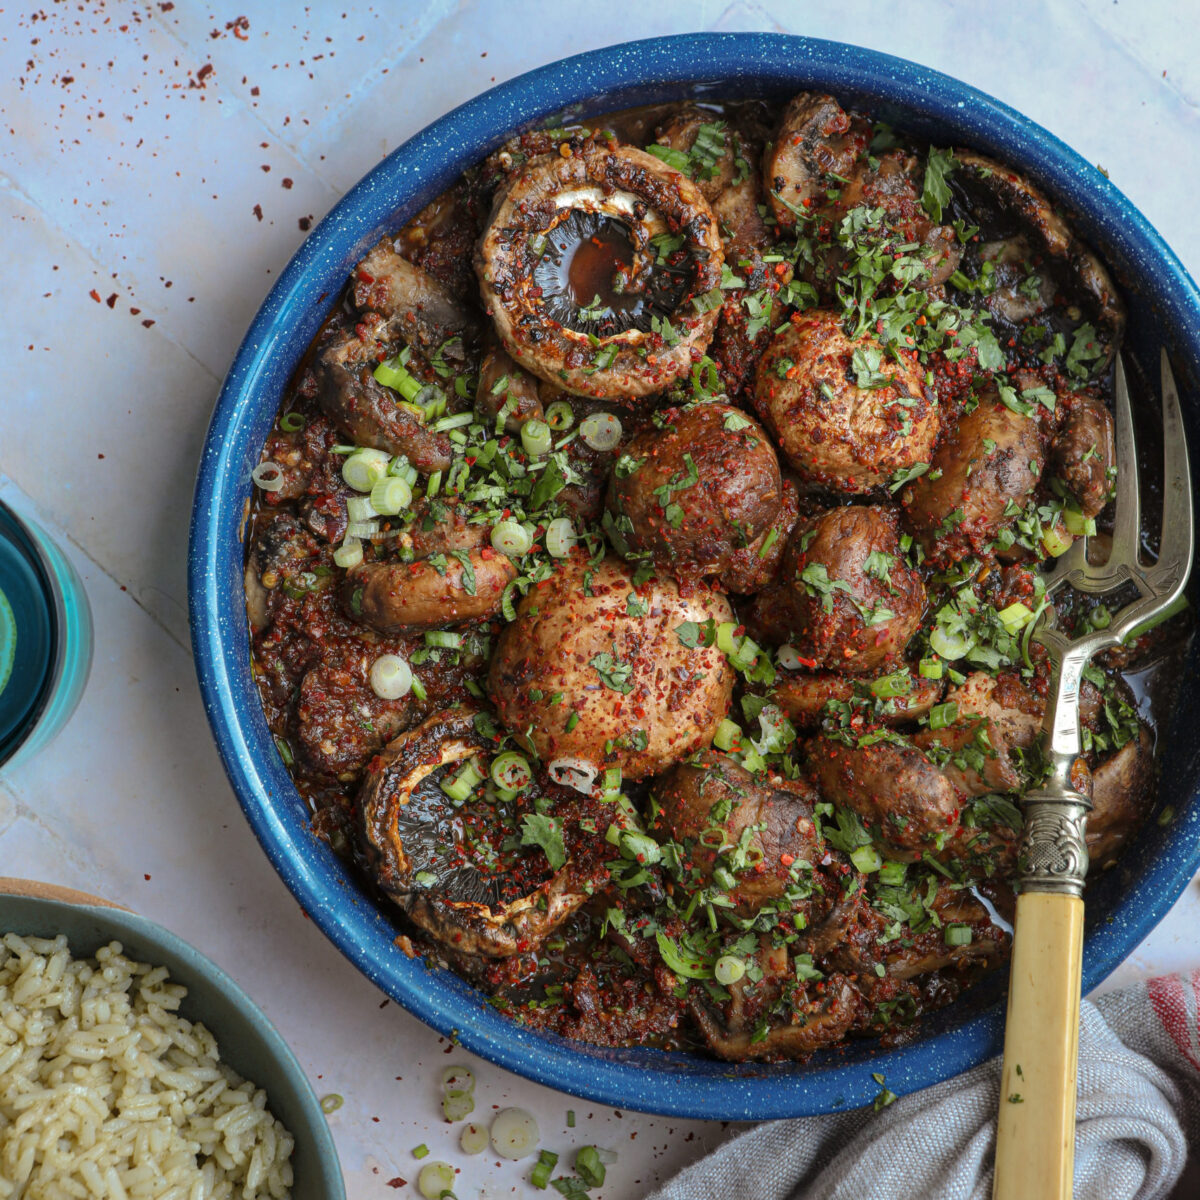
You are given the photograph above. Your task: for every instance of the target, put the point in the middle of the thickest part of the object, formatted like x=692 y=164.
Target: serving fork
x=1035 y=1137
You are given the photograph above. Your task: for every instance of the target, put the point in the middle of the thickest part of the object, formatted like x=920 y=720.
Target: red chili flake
x=285 y=182
x=305 y=224
x=204 y=72
x=397 y=1182
x=95 y=295
x=112 y=300
x=258 y=211
x=147 y=877
x=787 y=859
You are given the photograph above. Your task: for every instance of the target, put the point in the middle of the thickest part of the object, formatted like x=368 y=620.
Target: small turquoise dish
x=45 y=637
x=248 y=1041
x=1123 y=905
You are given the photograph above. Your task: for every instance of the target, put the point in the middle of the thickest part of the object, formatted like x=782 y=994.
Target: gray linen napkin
x=1139 y=1107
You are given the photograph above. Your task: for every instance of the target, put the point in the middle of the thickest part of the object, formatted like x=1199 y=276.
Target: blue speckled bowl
x=248 y=1041
x=1164 y=304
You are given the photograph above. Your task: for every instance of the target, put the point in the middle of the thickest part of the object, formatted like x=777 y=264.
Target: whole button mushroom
x=599 y=671
x=845 y=415
x=692 y=494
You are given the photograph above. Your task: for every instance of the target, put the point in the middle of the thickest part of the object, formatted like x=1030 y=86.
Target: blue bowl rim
x=121 y=923
x=704 y=1090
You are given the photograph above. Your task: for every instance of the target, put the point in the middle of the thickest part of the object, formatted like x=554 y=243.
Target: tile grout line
x=8 y=183
x=1130 y=52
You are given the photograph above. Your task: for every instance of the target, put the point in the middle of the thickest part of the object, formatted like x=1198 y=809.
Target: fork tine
x=1127 y=522
x=1176 y=547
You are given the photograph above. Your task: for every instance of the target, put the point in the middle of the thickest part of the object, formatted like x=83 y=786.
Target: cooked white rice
x=106 y=1092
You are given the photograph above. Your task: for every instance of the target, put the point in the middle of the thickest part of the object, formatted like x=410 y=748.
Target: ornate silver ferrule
x=1053 y=855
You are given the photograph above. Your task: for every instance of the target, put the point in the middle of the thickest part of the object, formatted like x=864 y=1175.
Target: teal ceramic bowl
x=247 y=1040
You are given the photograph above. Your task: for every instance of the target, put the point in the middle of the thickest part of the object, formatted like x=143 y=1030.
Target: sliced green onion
x=360 y=508
x=866 y=859
x=362 y=529
x=893 y=873
x=458 y=1105
x=514 y=1133
x=469 y=777
x=570 y=1118
x=950 y=646
x=331 y=1103
x=474 y=1138
x=268 y=476
x=349 y=553
x=420 y=1151
x=403 y=469
x=511 y=771
x=536 y=438
x=511 y=538
x=1078 y=524
x=1056 y=542
x=930 y=668
x=941 y=715
x=418 y=688
x=457 y=421
x=443 y=639
x=888 y=687
x=602 y=431
x=436 y=1180
x=1014 y=617
x=434 y=484
x=292 y=422
x=458 y=1079
x=364 y=468
x=393 y=374
x=588 y=1166
x=391 y=677
x=285 y=751
x=543 y=1169
x=560 y=537
x=728 y=735
x=729 y=969
x=957 y=935
x=390 y=495
x=560 y=415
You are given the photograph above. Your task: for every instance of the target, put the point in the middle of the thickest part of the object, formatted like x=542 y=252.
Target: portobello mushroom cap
x=433 y=857
x=692 y=493
x=568 y=273
x=595 y=672
x=845 y=416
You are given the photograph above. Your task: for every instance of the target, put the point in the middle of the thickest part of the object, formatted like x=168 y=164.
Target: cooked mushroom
x=996 y=717
x=362 y=408
x=818 y=1016
x=752 y=568
x=1017 y=197
x=804 y=696
x=707 y=142
x=845 y=416
x=597 y=670
x=904 y=801
x=759 y=836
x=278 y=550
x=448 y=863
x=1083 y=453
x=577 y=291
x=504 y=385
x=442 y=590
x=688 y=495
x=339 y=721
x=1121 y=798
x=992 y=458
x=844 y=597
x=416 y=307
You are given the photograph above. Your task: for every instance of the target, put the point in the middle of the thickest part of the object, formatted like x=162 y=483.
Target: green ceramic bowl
x=248 y=1041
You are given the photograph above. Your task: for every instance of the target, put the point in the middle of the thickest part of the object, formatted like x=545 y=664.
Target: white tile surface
x=128 y=170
